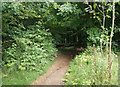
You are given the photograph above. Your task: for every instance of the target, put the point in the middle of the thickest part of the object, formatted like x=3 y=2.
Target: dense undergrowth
x=89 y=69
x=31 y=52
x=26 y=47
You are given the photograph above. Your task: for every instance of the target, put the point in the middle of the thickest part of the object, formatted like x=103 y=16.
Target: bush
x=27 y=44
x=31 y=51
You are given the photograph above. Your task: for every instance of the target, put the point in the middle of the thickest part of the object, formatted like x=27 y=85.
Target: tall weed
x=91 y=69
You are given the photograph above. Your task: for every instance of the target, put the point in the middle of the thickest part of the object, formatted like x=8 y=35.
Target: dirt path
x=57 y=71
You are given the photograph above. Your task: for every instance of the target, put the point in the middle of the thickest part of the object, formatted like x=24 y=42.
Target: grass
x=22 y=77
x=0 y=78
x=114 y=78
x=119 y=69
x=82 y=70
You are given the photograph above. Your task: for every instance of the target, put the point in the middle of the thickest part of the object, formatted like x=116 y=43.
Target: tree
x=111 y=35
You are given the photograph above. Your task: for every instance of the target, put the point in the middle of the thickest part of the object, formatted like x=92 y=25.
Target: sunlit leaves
x=108 y=16
x=67 y=8
x=56 y=6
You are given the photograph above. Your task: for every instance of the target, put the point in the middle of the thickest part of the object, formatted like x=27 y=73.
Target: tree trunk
x=110 y=56
x=103 y=24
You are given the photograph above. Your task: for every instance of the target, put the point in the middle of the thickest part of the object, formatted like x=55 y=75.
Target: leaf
x=98 y=18
x=119 y=3
x=108 y=16
x=117 y=13
x=21 y=68
x=94 y=5
x=92 y=11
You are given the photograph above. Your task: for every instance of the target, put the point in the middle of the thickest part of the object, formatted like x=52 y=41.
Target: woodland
x=34 y=33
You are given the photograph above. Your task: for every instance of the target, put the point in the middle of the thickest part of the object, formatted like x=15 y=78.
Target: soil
x=56 y=73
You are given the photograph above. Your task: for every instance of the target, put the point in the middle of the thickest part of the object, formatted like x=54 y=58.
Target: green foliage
x=31 y=51
x=94 y=35
x=26 y=46
x=30 y=31
x=66 y=9
x=19 y=78
x=85 y=70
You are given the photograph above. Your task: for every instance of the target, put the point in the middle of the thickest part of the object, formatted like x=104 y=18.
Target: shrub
x=32 y=51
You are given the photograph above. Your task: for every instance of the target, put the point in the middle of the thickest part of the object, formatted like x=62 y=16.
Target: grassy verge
x=22 y=77
x=87 y=69
x=0 y=78
x=119 y=69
